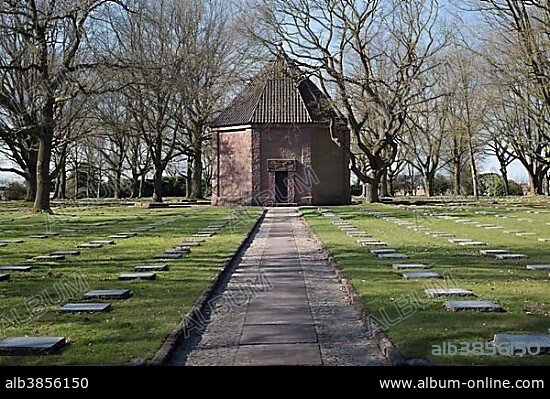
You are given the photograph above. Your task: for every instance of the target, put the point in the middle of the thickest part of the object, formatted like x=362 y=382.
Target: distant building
x=273 y=145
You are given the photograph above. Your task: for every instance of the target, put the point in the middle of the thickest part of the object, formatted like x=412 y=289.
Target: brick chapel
x=273 y=146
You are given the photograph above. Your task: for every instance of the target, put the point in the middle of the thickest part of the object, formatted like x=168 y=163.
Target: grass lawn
x=135 y=327
x=415 y=323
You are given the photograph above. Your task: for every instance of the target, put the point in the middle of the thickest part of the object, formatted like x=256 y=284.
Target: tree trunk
x=428 y=180
x=43 y=178
x=118 y=180
x=456 y=179
x=384 y=184
x=188 y=178
x=31 y=185
x=473 y=169
x=504 y=174
x=196 y=176
x=373 y=187
x=157 y=184
x=532 y=184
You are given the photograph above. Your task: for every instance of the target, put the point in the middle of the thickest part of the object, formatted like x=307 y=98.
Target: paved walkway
x=282 y=306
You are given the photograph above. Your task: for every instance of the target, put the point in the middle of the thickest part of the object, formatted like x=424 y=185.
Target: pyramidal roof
x=280 y=93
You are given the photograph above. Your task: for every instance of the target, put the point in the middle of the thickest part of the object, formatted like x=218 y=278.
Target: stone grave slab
x=203 y=234
x=512 y=231
x=422 y=229
x=492 y=252
x=544 y=239
x=470 y=222
x=145 y=228
x=479 y=306
x=537 y=343
x=119 y=236
x=458 y=240
x=366 y=243
x=11 y=241
x=85 y=308
x=20 y=346
x=393 y=256
x=65 y=253
x=420 y=275
x=358 y=234
x=216 y=226
x=443 y=292
x=441 y=235
x=2 y=244
x=168 y=256
x=4 y=277
x=483 y=226
x=151 y=268
x=526 y=234
x=49 y=257
x=494 y=228
x=188 y=243
x=128 y=233
x=472 y=243
x=39 y=236
x=89 y=246
x=400 y=266
x=533 y=267
x=383 y=251
x=178 y=250
x=137 y=276
x=510 y=256
x=348 y=228
x=108 y=294
x=103 y=242
x=16 y=268
x=404 y=223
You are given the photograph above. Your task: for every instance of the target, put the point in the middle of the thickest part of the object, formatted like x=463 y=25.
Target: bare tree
x=49 y=50
x=366 y=57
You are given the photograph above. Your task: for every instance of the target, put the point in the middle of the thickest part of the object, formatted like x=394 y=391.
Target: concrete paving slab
x=279 y=355
x=278 y=334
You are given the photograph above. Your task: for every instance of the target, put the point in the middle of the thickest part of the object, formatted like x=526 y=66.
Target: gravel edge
x=386 y=346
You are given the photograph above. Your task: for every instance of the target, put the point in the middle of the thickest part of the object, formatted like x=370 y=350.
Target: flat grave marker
x=420 y=275
x=443 y=292
x=393 y=256
x=459 y=240
x=492 y=252
x=400 y=266
x=203 y=234
x=168 y=256
x=538 y=267
x=138 y=276
x=4 y=277
x=89 y=246
x=39 y=236
x=510 y=256
x=20 y=346
x=472 y=243
x=480 y=306
x=534 y=343
x=383 y=251
x=85 y=308
x=119 y=236
x=526 y=234
x=16 y=268
x=103 y=242
x=151 y=268
x=68 y=252
x=191 y=243
x=49 y=257
x=11 y=241
x=512 y=231
x=371 y=242
x=544 y=239
x=108 y=294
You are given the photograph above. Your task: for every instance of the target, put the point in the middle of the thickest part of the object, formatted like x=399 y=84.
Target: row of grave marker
x=543 y=340
x=48 y=345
